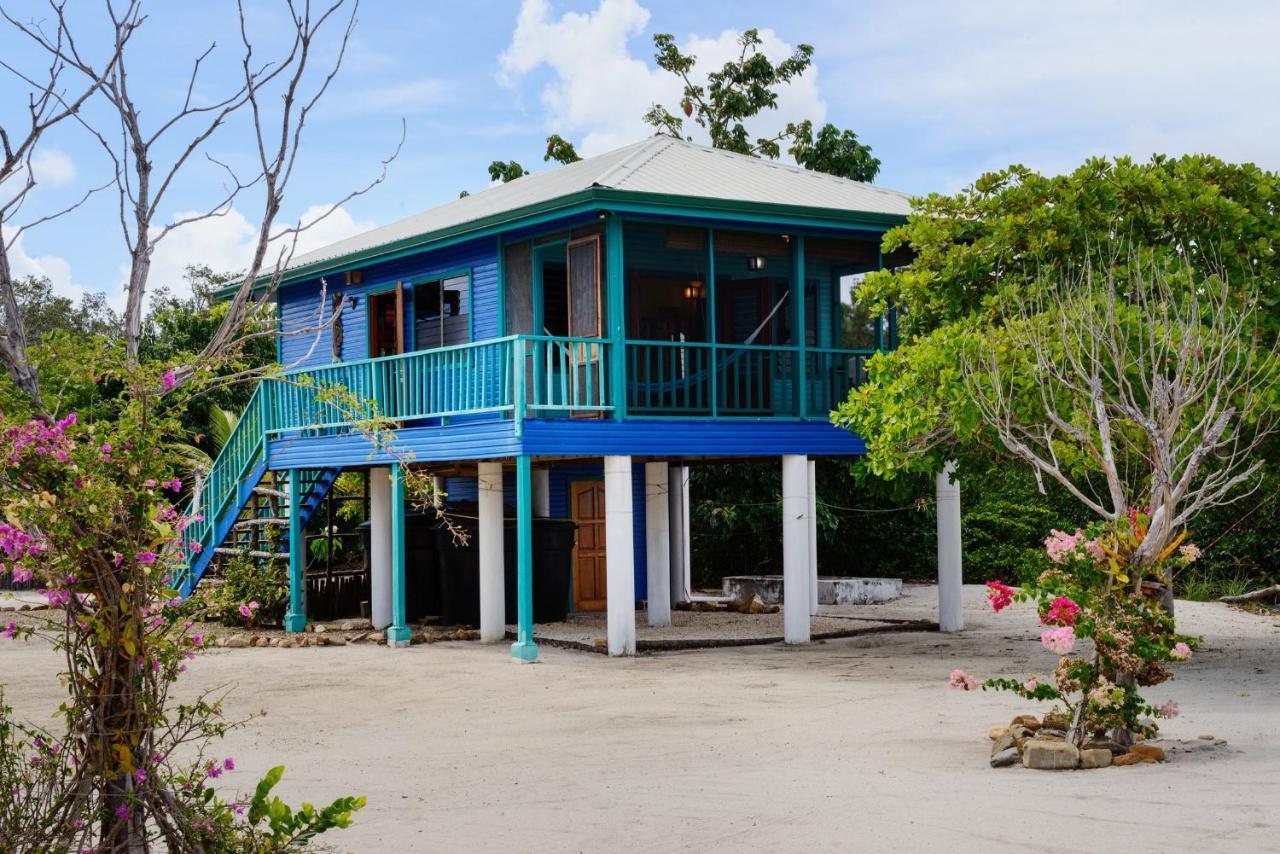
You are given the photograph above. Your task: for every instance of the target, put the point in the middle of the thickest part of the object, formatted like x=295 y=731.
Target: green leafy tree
x=46 y=312
x=1113 y=328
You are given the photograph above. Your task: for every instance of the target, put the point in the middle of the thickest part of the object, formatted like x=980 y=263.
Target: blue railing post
x=800 y=372
x=519 y=375
x=524 y=648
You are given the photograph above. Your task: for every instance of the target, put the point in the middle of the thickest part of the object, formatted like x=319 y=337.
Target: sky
x=942 y=91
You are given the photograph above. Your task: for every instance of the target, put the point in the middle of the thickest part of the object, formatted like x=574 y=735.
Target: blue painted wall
x=300 y=307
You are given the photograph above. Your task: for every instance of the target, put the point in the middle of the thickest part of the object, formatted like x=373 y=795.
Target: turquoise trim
x=524 y=648
x=585 y=201
x=295 y=619
x=801 y=334
x=398 y=631
x=616 y=312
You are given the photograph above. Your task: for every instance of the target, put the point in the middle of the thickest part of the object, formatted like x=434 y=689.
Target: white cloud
x=53 y=167
x=53 y=267
x=226 y=243
x=600 y=89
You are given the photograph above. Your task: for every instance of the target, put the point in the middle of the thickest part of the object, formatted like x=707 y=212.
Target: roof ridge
x=649 y=149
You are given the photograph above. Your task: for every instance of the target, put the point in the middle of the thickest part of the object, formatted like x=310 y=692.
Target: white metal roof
x=660 y=165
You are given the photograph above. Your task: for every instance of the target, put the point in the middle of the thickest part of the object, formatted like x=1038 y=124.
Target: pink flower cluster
x=962 y=680
x=1062 y=612
x=1190 y=552
x=16 y=546
x=1000 y=595
x=247 y=609
x=40 y=438
x=1180 y=651
x=1061 y=640
x=1062 y=546
x=1169 y=709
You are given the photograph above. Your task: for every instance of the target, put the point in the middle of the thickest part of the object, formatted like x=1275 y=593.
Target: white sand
x=850 y=745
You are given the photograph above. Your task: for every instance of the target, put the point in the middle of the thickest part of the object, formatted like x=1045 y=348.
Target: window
x=442 y=312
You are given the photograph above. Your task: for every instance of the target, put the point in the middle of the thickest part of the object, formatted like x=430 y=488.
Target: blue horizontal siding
x=471 y=441
x=563 y=437
x=300 y=308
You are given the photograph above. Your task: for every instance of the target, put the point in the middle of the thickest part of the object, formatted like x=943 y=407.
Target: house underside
x=566 y=346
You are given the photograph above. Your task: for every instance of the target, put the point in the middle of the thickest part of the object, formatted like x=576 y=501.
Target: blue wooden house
x=567 y=344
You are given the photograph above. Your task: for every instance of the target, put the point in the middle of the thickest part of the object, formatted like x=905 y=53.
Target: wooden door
x=386 y=323
x=586 y=506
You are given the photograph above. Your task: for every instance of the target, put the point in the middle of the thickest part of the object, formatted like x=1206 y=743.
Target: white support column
x=795 y=549
x=493 y=599
x=380 y=547
x=541 y=493
x=950 y=570
x=678 y=506
x=657 y=539
x=620 y=558
x=813 y=537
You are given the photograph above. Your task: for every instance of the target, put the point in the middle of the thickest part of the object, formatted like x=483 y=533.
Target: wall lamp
x=351 y=301
x=694 y=290
x=756 y=262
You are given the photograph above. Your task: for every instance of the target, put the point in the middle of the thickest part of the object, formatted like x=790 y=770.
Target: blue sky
x=942 y=91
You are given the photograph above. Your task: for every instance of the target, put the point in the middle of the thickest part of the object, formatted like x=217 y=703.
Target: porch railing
x=699 y=379
x=543 y=376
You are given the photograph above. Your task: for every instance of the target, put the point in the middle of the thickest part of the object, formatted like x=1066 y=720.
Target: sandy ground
x=849 y=745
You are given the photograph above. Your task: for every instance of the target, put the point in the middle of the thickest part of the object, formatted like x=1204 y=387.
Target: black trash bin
x=459 y=567
x=553 y=541
x=421 y=569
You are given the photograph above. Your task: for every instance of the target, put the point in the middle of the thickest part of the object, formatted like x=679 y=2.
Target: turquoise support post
x=615 y=314
x=801 y=372
x=398 y=631
x=524 y=648
x=295 y=619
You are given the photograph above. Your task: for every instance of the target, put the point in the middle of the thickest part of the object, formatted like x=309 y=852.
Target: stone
x=1005 y=758
x=1002 y=743
x=1056 y=720
x=755 y=605
x=1052 y=732
x=337 y=640
x=347 y=626
x=996 y=731
x=319 y=628
x=1116 y=748
x=1205 y=737
x=1152 y=751
x=1095 y=757
x=1050 y=755
x=1031 y=722
x=1130 y=759
x=1220 y=741
x=356 y=638
x=237 y=642
x=600 y=643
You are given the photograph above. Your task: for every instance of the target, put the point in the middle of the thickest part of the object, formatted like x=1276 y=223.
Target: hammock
x=701 y=376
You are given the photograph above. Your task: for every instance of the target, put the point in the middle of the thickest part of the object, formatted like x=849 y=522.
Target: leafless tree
x=274 y=97
x=1145 y=387
x=48 y=104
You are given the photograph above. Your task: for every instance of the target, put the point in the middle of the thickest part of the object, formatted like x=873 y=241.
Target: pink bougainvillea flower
x=962 y=680
x=1180 y=651
x=229 y=764
x=10 y=631
x=122 y=812
x=1062 y=611
x=214 y=770
x=1030 y=684
x=140 y=775
x=245 y=611
x=1061 y=640
x=1000 y=595
x=1060 y=544
x=168 y=379
x=145 y=557
x=174 y=484
x=1169 y=709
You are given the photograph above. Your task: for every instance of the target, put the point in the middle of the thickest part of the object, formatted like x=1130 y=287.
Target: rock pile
x=341 y=634
x=1041 y=743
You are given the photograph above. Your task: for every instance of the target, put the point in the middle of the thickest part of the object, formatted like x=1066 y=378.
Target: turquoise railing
x=220 y=495
x=690 y=378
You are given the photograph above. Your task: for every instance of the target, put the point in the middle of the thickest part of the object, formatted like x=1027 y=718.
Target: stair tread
x=224 y=550
x=268 y=491
x=261 y=520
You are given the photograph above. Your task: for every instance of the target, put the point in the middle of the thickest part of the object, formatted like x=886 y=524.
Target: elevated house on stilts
x=566 y=345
